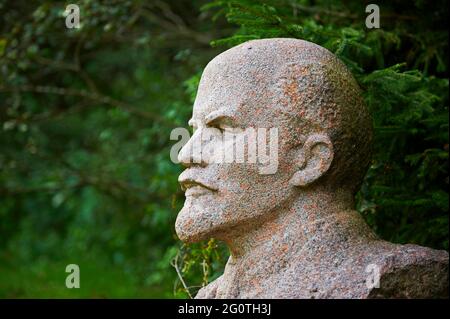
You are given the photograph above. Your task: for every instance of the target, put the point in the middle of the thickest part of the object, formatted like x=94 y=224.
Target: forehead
x=235 y=87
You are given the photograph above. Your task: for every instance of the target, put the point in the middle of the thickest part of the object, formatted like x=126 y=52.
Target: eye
x=220 y=127
x=222 y=123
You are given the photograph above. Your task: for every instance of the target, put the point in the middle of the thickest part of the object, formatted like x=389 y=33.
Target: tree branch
x=88 y=95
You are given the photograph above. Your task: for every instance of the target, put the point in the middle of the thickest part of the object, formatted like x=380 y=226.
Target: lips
x=193 y=185
x=196 y=191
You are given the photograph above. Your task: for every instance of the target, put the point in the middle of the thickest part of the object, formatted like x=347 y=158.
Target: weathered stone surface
x=295 y=233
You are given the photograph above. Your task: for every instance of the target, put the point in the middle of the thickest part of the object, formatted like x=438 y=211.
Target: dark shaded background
x=85 y=118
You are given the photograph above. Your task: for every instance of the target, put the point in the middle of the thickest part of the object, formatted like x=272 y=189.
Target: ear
x=315 y=159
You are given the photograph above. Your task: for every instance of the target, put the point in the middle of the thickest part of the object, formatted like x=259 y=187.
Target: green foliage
x=199 y=263
x=85 y=121
x=43 y=280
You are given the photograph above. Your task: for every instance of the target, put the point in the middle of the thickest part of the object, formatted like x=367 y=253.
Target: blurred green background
x=85 y=118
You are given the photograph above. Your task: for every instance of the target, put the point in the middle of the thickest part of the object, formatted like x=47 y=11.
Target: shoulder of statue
x=209 y=291
x=411 y=271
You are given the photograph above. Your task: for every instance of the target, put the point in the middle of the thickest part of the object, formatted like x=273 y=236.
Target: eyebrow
x=213 y=117
x=218 y=116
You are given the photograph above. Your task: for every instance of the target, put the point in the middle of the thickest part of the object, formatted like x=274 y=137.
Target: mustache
x=189 y=178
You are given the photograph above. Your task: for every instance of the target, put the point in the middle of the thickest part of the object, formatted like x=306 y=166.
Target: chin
x=193 y=226
x=190 y=238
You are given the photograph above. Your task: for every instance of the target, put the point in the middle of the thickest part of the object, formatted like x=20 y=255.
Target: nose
x=191 y=153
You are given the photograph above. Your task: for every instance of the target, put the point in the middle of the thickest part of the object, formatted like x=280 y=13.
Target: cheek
x=239 y=179
x=247 y=193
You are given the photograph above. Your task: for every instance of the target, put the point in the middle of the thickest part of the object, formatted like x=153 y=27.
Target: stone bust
x=293 y=233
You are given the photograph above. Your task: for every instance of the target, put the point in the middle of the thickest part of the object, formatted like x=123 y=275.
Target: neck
x=318 y=221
